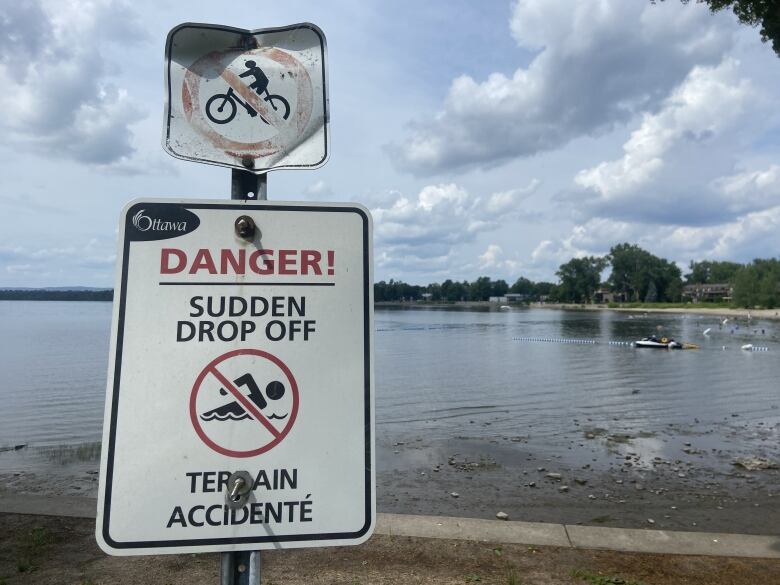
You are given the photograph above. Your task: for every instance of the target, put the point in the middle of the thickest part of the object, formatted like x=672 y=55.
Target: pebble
x=580 y=481
x=563 y=488
x=553 y=476
x=455 y=494
x=502 y=516
x=650 y=521
x=532 y=484
x=591 y=497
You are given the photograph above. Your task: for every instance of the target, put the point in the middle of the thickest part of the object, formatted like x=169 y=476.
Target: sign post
x=239 y=411
x=244 y=567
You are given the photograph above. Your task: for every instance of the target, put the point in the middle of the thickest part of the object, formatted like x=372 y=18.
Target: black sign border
x=368 y=506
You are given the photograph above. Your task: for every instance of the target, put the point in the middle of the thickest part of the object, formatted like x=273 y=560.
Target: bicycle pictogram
x=224 y=112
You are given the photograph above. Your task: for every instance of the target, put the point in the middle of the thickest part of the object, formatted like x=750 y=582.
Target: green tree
x=757 y=284
x=454 y=291
x=746 y=287
x=480 y=289
x=498 y=288
x=711 y=272
x=523 y=286
x=652 y=293
x=579 y=278
x=435 y=290
x=763 y=13
x=633 y=269
x=546 y=289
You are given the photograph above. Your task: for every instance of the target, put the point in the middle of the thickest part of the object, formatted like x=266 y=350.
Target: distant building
x=516 y=297
x=497 y=299
x=702 y=293
x=605 y=295
x=427 y=296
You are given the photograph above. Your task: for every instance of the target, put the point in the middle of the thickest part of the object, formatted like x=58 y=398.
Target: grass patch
x=512 y=577
x=67 y=454
x=594 y=579
x=650 y=306
x=31 y=546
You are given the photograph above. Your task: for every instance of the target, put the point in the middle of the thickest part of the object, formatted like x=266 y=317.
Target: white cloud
x=600 y=62
x=753 y=235
x=490 y=258
x=61 y=265
x=703 y=106
x=426 y=231
x=58 y=95
x=319 y=189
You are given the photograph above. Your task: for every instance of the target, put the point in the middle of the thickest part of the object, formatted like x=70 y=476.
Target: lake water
x=440 y=374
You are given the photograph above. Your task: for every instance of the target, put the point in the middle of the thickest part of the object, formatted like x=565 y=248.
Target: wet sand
x=606 y=479
x=603 y=478
x=697 y=310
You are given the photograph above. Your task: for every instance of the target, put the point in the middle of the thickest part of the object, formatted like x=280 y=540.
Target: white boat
x=654 y=342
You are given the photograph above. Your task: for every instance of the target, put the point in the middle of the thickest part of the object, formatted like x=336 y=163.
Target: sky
x=487 y=138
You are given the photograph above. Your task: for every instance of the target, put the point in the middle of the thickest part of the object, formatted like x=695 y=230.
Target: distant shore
x=717 y=311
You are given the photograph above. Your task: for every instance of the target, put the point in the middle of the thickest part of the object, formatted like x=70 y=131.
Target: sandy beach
x=693 y=310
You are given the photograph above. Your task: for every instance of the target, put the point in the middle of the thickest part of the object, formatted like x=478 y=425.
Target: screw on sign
x=244 y=403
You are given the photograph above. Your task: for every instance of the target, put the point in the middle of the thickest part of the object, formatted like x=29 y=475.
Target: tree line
x=42 y=294
x=635 y=275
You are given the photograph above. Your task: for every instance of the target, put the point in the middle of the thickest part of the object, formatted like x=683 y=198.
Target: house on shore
x=703 y=293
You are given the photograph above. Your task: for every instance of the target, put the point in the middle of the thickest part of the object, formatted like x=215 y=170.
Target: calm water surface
x=440 y=374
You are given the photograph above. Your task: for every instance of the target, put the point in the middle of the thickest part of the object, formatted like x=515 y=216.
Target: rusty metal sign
x=248 y=99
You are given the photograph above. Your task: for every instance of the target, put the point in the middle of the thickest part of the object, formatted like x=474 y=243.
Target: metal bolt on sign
x=245 y=227
x=239 y=486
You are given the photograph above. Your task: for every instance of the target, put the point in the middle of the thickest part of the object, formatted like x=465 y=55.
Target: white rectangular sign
x=239 y=354
x=248 y=99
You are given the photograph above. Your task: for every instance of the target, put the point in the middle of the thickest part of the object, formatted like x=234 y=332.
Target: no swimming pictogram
x=244 y=403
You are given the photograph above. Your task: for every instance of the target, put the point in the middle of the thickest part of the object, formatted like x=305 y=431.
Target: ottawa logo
x=144 y=223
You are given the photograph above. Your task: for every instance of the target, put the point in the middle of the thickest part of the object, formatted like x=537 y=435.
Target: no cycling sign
x=235 y=353
x=253 y=100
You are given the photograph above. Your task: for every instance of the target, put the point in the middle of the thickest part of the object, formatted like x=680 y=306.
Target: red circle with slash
x=251 y=409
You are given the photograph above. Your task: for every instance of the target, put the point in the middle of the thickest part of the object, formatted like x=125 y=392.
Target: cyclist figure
x=260 y=84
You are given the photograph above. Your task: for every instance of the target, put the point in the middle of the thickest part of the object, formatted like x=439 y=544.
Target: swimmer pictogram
x=263 y=408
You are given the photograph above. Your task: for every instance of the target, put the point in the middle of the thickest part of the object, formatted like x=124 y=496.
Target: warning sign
x=249 y=99
x=218 y=408
x=239 y=355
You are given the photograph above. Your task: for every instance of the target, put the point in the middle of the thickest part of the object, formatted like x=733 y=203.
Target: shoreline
x=693 y=310
x=771 y=314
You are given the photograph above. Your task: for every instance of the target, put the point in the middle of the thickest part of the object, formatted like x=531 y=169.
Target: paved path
x=530 y=533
